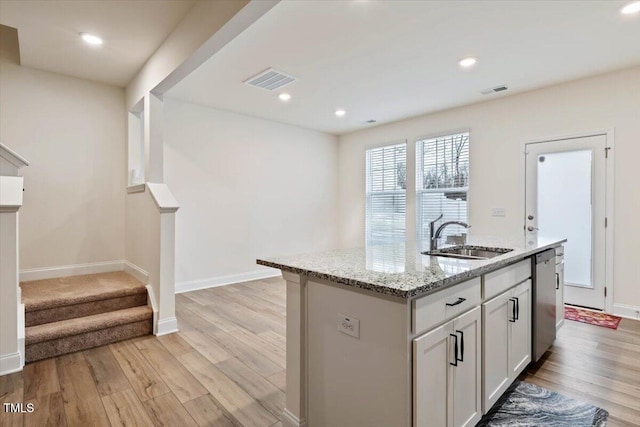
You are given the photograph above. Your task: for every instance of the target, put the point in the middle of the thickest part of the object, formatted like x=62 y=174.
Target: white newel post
x=295 y=411
x=11 y=308
x=167 y=206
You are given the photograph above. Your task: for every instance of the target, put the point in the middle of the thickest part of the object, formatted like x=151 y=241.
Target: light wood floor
x=226 y=368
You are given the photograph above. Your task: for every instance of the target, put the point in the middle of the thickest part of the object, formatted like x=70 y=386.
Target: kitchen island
x=388 y=336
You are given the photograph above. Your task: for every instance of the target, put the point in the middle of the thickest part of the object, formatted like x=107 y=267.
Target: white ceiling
x=388 y=60
x=132 y=31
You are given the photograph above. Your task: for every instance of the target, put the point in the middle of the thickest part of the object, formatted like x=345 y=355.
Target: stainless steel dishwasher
x=544 y=303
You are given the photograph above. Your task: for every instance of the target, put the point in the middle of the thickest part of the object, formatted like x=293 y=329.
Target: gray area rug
x=525 y=404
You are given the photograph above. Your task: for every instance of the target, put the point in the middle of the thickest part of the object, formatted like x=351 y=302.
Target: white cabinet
x=506 y=321
x=447 y=374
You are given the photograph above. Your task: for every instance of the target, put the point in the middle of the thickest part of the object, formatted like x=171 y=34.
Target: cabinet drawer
x=500 y=280
x=432 y=310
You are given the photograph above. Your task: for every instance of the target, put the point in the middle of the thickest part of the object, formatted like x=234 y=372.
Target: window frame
x=368 y=193
x=419 y=173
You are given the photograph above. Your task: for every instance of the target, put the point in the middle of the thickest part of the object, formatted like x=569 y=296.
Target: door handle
x=455 y=349
x=517 y=307
x=459 y=301
x=557 y=281
x=461 y=345
x=513 y=312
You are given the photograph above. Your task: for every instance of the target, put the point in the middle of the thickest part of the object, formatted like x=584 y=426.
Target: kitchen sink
x=468 y=252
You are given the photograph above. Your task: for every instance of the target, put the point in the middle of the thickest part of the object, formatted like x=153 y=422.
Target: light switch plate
x=498 y=212
x=349 y=325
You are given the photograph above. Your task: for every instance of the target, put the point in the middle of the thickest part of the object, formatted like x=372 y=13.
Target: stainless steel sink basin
x=468 y=252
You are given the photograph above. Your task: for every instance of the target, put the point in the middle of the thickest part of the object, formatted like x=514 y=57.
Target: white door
x=432 y=355
x=565 y=198
x=467 y=402
x=496 y=315
x=520 y=329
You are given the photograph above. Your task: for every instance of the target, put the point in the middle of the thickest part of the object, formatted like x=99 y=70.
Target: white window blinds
x=386 y=171
x=442 y=182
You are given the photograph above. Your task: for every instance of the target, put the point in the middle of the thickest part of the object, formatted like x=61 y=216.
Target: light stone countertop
x=401 y=270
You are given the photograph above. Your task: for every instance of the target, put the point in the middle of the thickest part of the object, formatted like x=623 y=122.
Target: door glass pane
x=564 y=209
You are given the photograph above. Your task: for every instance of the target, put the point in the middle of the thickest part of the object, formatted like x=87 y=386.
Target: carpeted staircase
x=76 y=313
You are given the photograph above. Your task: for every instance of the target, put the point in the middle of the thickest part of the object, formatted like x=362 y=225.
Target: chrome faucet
x=434 y=236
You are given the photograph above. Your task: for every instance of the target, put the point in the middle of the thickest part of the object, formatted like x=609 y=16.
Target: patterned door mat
x=592 y=317
x=526 y=404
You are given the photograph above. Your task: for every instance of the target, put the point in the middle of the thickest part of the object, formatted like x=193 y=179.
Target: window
x=442 y=182
x=386 y=171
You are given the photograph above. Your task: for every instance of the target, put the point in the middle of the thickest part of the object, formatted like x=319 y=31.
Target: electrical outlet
x=349 y=325
x=498 y=212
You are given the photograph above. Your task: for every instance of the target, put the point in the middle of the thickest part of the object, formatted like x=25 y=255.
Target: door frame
x=609 y=198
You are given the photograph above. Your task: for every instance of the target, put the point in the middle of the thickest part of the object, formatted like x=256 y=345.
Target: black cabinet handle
x=461 y=346
x=460 y=301
x=557 y=281
x=513 y=319
x=517 y=307
x=455 y=349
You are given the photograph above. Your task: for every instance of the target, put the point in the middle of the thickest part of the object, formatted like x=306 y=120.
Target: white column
x=10 y=360
x=295 y=411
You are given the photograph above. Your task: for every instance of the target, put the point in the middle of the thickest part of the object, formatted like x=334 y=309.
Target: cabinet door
x=466 y=376
x=495 y=326
x=559 y=295
x=431 y=357
x=520 y=330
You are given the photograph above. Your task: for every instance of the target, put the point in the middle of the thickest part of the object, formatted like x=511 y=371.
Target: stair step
x=54 y=300
x=67 y=336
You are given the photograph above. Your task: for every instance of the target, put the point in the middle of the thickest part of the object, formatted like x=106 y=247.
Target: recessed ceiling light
x=468 y=62
x=340 y=112
x=631 y=8
x=91 y=39
x=284 y=97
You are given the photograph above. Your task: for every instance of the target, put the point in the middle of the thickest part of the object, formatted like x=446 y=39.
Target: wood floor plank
x=166 y=410
x=248 y=353
x=106 y=372
x=48 y=411
x=82 y=403
x=144 y=380
x=213 y=319
x=242 y=316
x=208 y=412
x=269 y=396
x=273 y=352
x=11 y=391
x=237 y=401
x=274 y=338
x=206 y=346
x=125 y=409
x=184 y=385
x=40 y=379
x=279 y=379
x=175 y=344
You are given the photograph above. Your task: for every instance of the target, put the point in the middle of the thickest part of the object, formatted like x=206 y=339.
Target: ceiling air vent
x=270 y=79
x=496 y=89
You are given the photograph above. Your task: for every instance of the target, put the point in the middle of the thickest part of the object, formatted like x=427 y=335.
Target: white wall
x=73 y=133
x=498 y=128
x=247 y=188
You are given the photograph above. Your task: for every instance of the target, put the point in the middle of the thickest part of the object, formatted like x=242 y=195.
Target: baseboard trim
x=290 y=420
x=10 y=363
x=212 y=282
x=137 y=272
x=628 y=311
x=167 y=326
x=70 y=270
